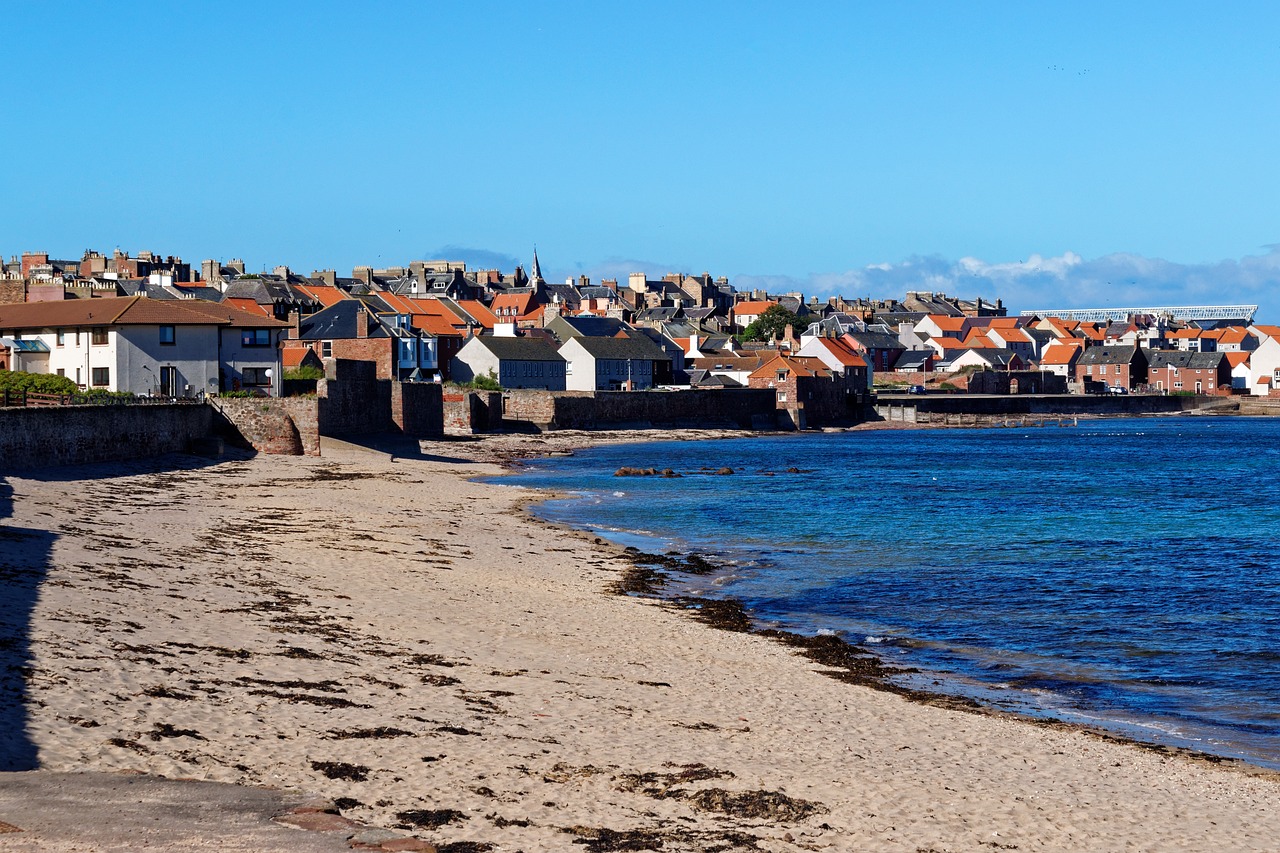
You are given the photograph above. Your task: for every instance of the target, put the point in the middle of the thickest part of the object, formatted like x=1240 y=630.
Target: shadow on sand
x=26 y=559
x=24 y=562
x=397 y=447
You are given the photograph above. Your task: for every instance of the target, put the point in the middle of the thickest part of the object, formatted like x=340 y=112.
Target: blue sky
x=1053 y=154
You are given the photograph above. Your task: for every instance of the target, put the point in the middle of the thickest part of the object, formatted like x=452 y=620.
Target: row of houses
x=440 y=321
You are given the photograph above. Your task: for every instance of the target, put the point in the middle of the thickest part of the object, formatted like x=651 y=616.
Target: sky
x=1050 y=154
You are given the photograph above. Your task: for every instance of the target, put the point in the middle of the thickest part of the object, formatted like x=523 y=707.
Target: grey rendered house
x=172 y=348
x=612 y=364
x=516 y=362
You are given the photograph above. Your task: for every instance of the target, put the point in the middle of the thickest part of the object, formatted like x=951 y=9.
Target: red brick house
x=809 y=393
x=1112 y=366
x=1196 y=372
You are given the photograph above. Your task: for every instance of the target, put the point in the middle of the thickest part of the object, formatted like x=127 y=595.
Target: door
x=168 y=381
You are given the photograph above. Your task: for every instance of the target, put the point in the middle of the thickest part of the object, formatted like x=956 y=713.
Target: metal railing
x=31 y=399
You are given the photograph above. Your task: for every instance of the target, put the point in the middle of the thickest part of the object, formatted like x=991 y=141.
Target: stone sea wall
x=73 y=435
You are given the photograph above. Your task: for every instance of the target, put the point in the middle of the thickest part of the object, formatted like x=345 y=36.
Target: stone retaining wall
x=546 y=410
x=281 y=425
x=75 y=435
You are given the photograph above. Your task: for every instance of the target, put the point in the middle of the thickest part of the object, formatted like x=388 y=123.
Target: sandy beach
x=376 y=629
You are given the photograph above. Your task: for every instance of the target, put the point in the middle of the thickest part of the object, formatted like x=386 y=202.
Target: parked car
x=1117 y=389
x=916 y=389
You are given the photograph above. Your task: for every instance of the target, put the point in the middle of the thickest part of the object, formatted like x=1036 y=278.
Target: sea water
x=1120 y=573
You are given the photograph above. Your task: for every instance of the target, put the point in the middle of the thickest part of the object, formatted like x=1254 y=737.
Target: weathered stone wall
x=74 y=435
x=742 y=409
x=280 y=425
x=469 y=412
x=352 y=401
x=417 y=408
x=936 y=408
x=1027 y=382
x=12 y=290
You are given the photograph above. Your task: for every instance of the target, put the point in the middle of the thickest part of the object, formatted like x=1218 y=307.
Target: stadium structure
x=1187 y=313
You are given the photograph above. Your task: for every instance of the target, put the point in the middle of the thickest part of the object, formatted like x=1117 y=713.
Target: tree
x=771 y=324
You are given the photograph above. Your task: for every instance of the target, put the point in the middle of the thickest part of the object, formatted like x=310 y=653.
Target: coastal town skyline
x=1089 y=153
x=968 y=279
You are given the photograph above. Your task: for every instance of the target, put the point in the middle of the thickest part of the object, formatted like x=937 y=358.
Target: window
x=166 y=336
x=62 y=372
x=257 y=375
x=61 y=337
x=101 y=376
x=255 y=338
x=326 y=349
x=98 y=337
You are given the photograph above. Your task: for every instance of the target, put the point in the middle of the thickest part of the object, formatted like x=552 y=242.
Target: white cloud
x=1065 y=281
x=481 y=259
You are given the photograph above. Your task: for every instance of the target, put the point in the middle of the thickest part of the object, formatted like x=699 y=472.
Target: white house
x=1264 y=362
x=611 y=364
x=149 y=346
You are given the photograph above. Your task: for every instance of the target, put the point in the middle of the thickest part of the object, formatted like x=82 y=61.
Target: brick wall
x=74 y=435
x=374 y=350
x=279 y=425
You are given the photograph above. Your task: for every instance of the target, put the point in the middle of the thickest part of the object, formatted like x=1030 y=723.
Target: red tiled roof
x=129 y=311
x=751 y=309
x=948 y=324
x=324 y=294
x=1059 y=355
x=478 y=310
x=843 y=353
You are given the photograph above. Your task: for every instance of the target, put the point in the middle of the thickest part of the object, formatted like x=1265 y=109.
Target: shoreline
x=406 y=642
x=853 y=663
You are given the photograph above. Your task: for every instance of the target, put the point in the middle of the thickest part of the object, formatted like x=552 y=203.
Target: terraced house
x=172 y=348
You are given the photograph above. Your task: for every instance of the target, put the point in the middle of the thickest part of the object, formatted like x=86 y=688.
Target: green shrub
x=102 y=395
x=307 y=371
x=36 y=383
x=488 y=382
x=238 y=394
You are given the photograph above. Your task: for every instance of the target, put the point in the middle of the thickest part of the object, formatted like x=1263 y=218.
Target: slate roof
x=637 y=348
x=338 y=322
x=659 y=315
x=1161 y=359
x=588 y=326
x=1110 y=355
x=520 y=349
x=876 y=340
x=914 y=359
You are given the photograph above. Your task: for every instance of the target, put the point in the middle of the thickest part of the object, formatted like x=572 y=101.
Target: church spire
x=535 y=275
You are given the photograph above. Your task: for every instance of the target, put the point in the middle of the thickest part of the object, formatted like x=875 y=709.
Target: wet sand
x=374 y=628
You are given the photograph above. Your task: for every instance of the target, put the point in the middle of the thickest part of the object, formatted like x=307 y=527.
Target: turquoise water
x=1122 y=573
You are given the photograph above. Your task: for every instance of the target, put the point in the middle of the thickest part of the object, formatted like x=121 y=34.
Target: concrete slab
x=109 y=812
